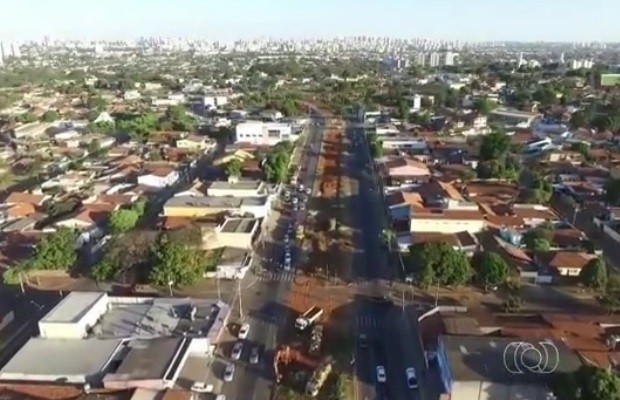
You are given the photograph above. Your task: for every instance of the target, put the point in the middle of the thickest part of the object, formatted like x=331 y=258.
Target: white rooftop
x=72 y=307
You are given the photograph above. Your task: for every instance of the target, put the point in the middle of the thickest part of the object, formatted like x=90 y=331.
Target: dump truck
x=316 y=339
x=318 y=377
x=308 y=318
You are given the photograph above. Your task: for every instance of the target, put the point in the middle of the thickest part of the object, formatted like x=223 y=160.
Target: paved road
x=263 y=301
x=392 y=332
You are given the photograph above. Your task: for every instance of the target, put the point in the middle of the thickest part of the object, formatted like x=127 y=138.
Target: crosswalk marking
x=369 y=322
x=277 y=276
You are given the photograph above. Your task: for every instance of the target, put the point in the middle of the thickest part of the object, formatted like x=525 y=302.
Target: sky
x=465 y=20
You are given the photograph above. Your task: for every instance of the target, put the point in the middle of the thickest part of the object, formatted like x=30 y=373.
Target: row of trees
x=54 y=252
x=588 y=382
x=140 y=126
x=439 y=263
x=173 y=259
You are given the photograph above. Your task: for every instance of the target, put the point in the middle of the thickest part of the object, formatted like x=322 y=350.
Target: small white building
x=159 y=178
x=132 y=95
x=264 y=133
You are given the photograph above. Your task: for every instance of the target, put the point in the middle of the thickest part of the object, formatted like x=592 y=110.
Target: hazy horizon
x=479 y=20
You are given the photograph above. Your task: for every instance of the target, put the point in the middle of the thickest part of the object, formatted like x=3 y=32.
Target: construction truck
x=318 y=377
x=316 y=339
x=308 y=318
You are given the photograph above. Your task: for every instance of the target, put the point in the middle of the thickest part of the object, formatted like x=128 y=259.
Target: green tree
x=123 y=220
x=104 y=270
x=578 y=119
x=538 y=239
x=56 y=251
x=176 y=264
x=27 y=117
x=233 y=168
x=581 y=147
x=494 y=145
x=105 y=128
x=96 y=103
x=450 y=266
x=490 y=268
x=425 y=275
x=50 y=116
x=588 y=382
x=594 y=274
x=512 y=304
x=483 y=106
x=7 y=179
x=289 y=107
x=376 y=149
x=94 y=146
x=403 y=109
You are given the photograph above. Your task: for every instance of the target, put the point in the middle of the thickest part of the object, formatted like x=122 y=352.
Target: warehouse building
x=118 y=342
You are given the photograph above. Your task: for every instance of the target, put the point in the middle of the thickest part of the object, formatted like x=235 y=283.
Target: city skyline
x=486 y=20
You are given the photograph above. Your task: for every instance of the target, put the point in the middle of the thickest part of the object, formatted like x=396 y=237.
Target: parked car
x=254 y=355
x=236 y=351
x=202 y=387
x=243 y=331
x=412 y=379
x=381 y=376
x=229 y=373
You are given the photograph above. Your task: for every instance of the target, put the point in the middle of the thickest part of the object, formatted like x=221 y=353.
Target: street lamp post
x=170 y=283
x=239 y=294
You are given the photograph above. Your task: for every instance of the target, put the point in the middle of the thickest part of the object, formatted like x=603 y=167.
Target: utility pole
x=239 y=294
x=437 y=293
x=217 y=282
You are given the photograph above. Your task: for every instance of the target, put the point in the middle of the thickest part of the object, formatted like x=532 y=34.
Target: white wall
x=446 y=225
x=77 y=329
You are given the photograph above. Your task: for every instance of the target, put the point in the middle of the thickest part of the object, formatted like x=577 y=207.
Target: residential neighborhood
x=354 y=218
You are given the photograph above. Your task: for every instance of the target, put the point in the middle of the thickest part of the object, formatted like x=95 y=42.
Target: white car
x=308 y=191
x=236 y=351
x=412 y=379
x=243 y=331
x=381 y=376
x=229 y=373
x=202 y=387
x=295 y=200
x=287 y=258
x=286 y=266
x=287 y=238
x=254 y=355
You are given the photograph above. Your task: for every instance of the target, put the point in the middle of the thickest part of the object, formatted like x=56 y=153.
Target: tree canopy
x=587 y=383
x=55 y=251
x=539 y=238
x=490 y=268
x=276 y=163
x=233 y=168
x=594 y=274
x=176 y=264
x=440 y=262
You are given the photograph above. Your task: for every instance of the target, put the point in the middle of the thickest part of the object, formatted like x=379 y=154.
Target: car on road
x=236 y=351
x=381 y=376
x=254 y=355
x=220 y=397
x=411 y=378
x=302 y=206
x=202 y=387
x=243 y=331
x=295 y=207
x=363 y=340
x=229 y=373
x=308 y=191
x=287 y=257
x=286 y=265
x=295 y=200
x=287 y=238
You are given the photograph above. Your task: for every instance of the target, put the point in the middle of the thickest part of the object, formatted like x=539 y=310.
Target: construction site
x=318 y=344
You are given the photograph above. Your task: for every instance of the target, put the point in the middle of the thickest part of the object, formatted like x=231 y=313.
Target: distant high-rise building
x=562 y=58
x=434 y=59
x=420 y=59
x=521 y=60
x=449 y=58
x=3 y=54
x=16 y=51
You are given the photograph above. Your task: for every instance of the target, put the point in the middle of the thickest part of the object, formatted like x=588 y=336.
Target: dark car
x=363 y=341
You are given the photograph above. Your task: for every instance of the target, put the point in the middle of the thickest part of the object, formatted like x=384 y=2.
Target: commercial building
x=264 y=133
x=98 y=340
x=485 y=367
x=209 y=206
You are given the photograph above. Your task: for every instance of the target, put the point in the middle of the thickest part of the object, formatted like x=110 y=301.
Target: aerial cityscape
x=211 y=201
